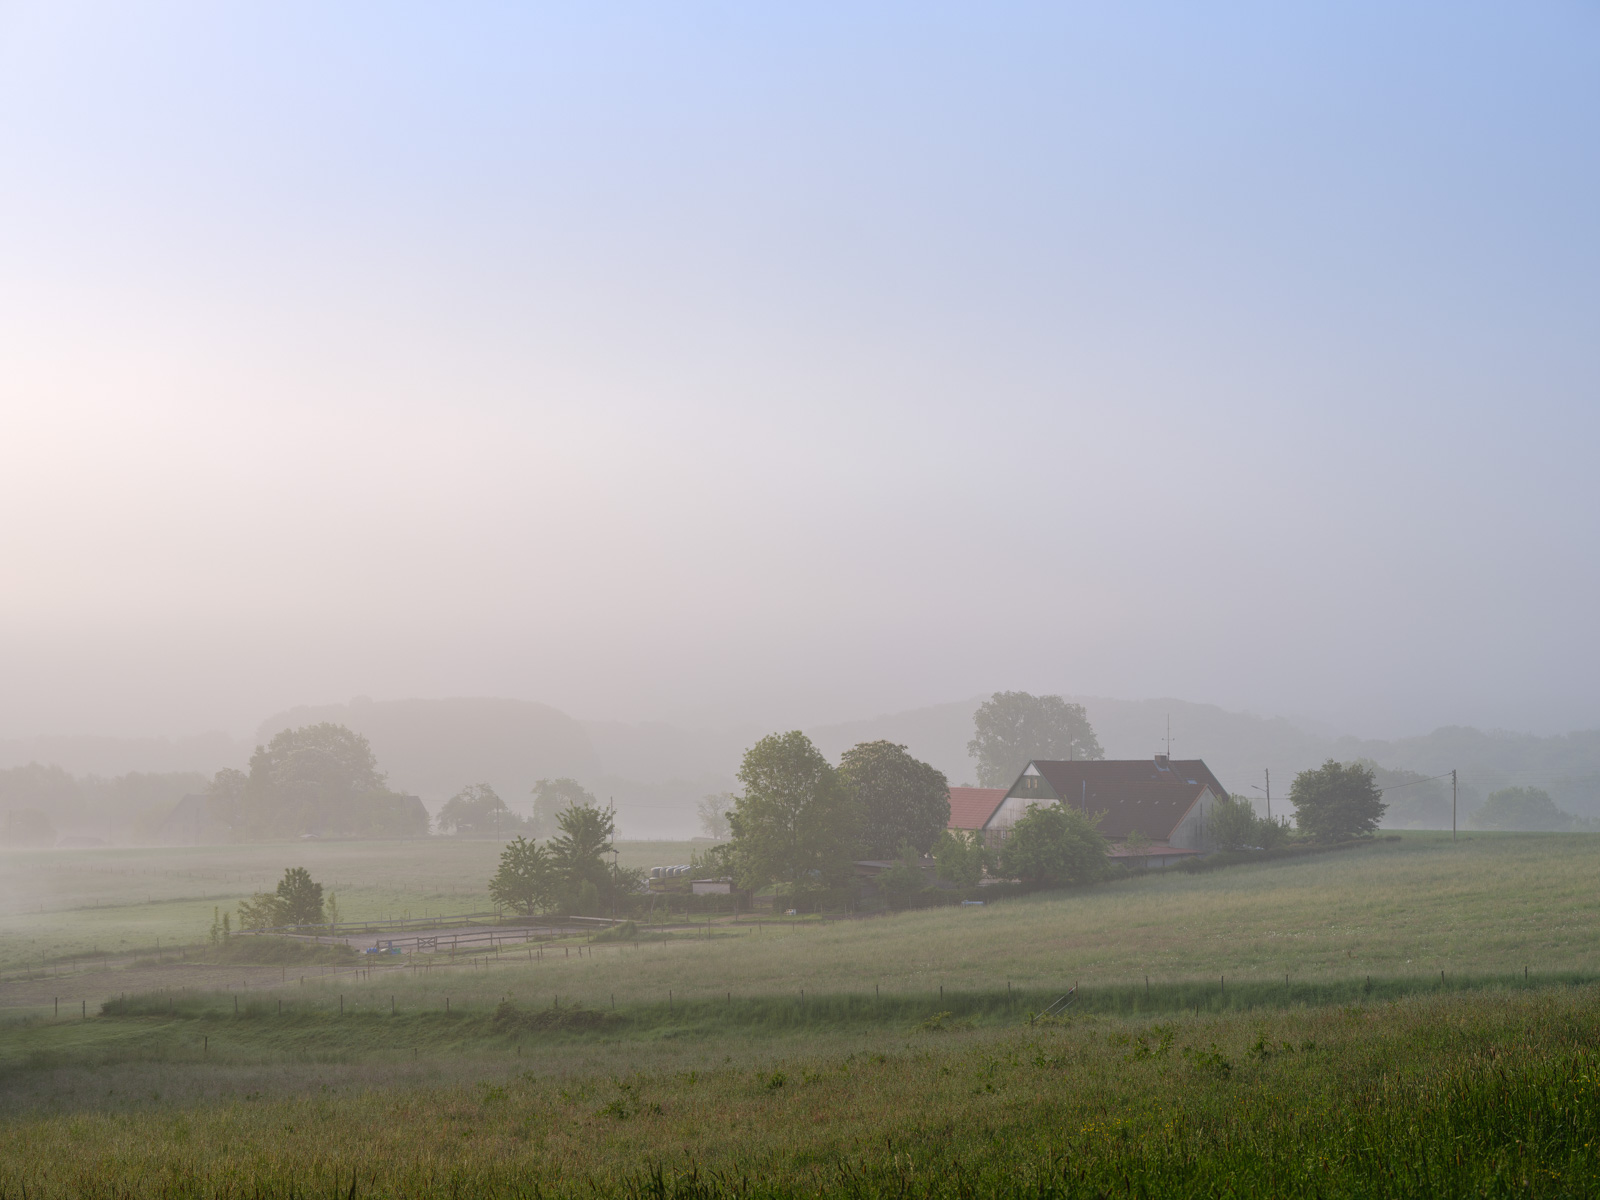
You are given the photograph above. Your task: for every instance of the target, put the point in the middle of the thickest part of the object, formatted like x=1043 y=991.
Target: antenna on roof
x=1169 y=735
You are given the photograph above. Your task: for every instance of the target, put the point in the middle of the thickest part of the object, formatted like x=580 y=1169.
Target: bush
x=1053 y=845
x=961 y=857
x=1234 y=825
x=1337 y=801
x=902 y=882
x=508 y=1018
x=1529 y=809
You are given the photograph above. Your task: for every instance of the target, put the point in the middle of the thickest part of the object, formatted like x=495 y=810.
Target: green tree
x=264 y=910
x=318 y=779
x=904 y=881
x=902 y=800
x=1336 y=801
x=578 y=855
x=477 y=811
x=1053 y=845
x=1232 y=824
x=1010 y=729
x=960 y=857
x=300 y=899
x=796 y=821
x=325 y=755
x=527 y=880
x=1525 y=808
x=550 y=797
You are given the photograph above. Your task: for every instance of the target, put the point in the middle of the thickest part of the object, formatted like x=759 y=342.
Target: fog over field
x=707 y=600
x=747 y=371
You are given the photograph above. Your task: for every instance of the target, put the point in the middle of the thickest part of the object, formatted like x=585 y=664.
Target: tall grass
x=1470 y=1094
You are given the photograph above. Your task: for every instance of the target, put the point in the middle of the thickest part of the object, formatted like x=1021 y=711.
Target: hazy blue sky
x=783 y=363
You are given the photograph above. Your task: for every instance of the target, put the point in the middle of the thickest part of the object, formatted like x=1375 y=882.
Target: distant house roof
x=1150 y=795
x=971 y=808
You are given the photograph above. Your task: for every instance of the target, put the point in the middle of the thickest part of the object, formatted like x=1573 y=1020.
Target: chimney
x=1161 y=762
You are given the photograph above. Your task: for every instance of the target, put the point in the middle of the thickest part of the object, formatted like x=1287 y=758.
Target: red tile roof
x=971 y=808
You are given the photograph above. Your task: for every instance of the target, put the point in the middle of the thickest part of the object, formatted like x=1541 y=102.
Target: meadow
x=1415 y=1017
x=57 y=903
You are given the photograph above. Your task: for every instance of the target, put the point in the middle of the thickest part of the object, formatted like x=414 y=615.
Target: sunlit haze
x=733 y=366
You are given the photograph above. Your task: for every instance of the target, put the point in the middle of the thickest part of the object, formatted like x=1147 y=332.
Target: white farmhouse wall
x=1191 y=831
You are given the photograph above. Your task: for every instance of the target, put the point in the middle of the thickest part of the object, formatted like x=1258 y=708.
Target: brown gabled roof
x=1150 y=795
x=971 y=808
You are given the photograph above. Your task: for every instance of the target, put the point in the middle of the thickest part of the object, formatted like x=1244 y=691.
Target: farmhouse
x=1152 y=810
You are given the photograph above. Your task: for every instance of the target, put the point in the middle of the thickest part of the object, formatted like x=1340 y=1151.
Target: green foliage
x=1486 y=1095
x=262 y=911
x=299 y=899
x=477 y=811
x=1522 y=808
x=1012 y=728
x=509 y=1019
x=960 y=857
x=527 y=880
x=1232 y=824
x=904 y=881
x=796 y=822
x=322 y=756
x=551 y=797
x=902 y=800
x=1336 y=801
x=1053 y=845
x=318 y=779
x=579 y=856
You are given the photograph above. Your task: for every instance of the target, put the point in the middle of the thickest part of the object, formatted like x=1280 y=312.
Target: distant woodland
x=124 y=790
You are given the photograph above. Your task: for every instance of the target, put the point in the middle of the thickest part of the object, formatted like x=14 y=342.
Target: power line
x=1412 y=782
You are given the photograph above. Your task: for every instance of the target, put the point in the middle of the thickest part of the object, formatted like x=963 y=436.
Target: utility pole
x=1452 y=804
x=1269 y=791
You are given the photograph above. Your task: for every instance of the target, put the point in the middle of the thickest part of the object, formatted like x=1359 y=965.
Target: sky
x=783 y=364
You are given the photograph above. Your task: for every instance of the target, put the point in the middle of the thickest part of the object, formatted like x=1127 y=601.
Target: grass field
x=1355 y=1023
x=63 y=902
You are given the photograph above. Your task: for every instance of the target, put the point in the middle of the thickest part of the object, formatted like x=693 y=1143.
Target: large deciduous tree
x=527 y=881
x=903 y=802
x=323 y=755
x=713 y=813
x=477 y=811
x=796 y=822
x=1524 y=808
x=1336 y=801
x=551 y=796
x=300 y=897
x=1054 y=844
x=318 y=779
x=578 y=854
x=1012 y=728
